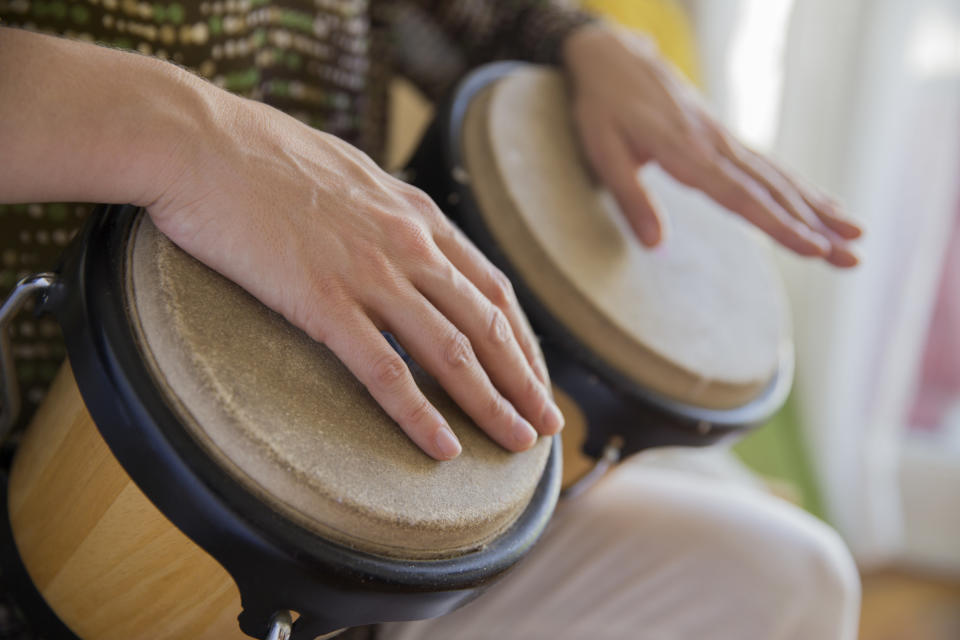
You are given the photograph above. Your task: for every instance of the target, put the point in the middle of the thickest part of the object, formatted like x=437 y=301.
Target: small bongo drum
x=202 y=469
x=682 y=345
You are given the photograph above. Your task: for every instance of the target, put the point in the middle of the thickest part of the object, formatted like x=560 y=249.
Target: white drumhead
x=701 y=319
x=289 y=422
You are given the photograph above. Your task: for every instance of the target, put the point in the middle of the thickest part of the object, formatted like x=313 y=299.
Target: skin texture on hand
x=631 y=108
x=317 y=231
x=302 y=220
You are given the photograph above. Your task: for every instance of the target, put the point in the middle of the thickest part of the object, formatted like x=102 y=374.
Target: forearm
x=84 y=123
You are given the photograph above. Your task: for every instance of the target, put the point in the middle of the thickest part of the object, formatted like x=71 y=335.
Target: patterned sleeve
x=478 y=31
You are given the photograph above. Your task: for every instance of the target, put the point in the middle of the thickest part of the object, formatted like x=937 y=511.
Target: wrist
x=181 y=115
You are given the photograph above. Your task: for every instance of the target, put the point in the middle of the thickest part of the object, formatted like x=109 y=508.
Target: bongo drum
x=202 y=469
x=681 y=345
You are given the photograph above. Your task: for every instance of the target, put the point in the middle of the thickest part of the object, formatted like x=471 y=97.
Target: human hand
x=317 y=231
x=631 y=108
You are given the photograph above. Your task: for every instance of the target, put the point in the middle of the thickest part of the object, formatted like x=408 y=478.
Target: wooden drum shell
x=105 y=559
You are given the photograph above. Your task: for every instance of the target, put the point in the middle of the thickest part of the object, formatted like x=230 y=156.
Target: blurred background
x=861 y=97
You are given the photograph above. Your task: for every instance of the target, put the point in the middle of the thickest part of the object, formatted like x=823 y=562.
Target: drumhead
x=702 y=320
x=287 y=420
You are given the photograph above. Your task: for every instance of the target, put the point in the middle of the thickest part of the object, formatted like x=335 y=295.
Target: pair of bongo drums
x=202 y=469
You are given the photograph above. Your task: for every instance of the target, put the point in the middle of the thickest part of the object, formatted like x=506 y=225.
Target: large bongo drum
x=682 y=345
x=202 y=469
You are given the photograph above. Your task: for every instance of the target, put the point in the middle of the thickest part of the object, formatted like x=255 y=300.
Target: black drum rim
x=450 y=122
x=216 y=512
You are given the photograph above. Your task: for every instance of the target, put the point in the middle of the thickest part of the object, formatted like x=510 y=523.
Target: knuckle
x=412 y=238
x=497 y=407
x=457 y=351
x=418 y=411
x=529 y=346
x=723 y=142
x=498 y=328
x=328 y=290
x=388 y=372
x=445 y=272
x=324 y=297
x=445 y=230
x=532 y=390
x=420 y=201
x=500 y=289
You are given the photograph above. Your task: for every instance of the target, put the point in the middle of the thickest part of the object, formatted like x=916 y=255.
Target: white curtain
x=863 y=98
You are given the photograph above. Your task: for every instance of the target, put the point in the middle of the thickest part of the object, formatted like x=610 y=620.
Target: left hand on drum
x=631 y=108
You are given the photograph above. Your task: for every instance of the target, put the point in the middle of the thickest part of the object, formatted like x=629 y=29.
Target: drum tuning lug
x=704 y=427
x=281 y=626
x=22 y=293
x=612 y=452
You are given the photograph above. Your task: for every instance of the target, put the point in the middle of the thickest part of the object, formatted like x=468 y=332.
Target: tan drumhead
x=290 y=423
x=702 y=319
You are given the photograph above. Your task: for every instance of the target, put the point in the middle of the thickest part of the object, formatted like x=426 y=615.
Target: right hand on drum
x=302 y=220
x=314 y=229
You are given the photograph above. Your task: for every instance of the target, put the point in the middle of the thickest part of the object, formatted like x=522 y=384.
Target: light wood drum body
x=108 y=561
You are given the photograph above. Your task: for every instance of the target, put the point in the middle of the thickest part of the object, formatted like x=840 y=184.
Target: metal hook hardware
x=281 y=625
x=9 y=389
x=612 y=453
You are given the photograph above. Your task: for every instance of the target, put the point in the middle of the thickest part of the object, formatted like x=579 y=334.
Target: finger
x=832 y=215
x=843 y=257
x=363 y=349
x=729 y=187
x=616 y=167
x=787 y=196
x=829 y=212
x=447 y=354
x=836 y=230
x=490 y=333
x=496 y=287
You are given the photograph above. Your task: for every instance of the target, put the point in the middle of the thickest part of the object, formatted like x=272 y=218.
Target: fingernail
x=552 y=419
x=523 y=434
x=844 y=257
x=650 y=233
x=854 y=228
x=447 y=443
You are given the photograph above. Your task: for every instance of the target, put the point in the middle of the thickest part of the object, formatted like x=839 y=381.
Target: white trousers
x=662 y=554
